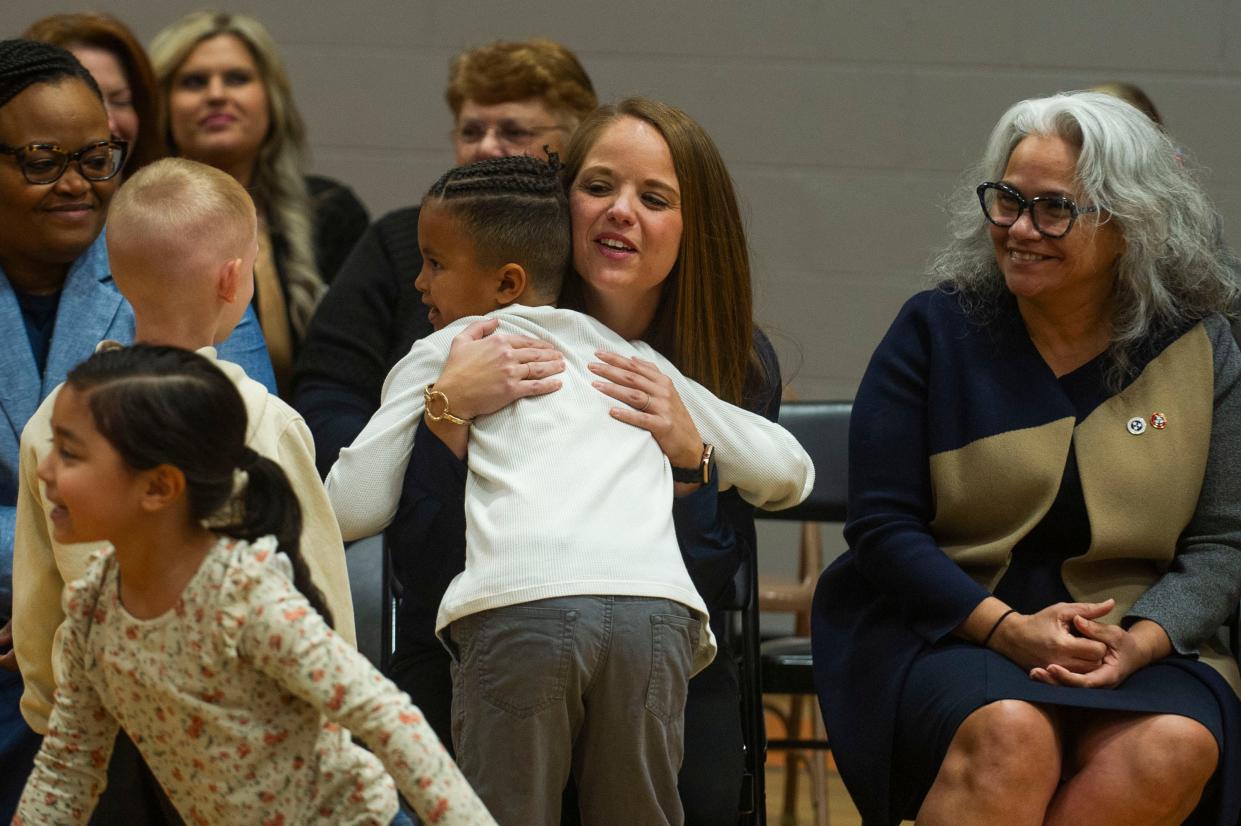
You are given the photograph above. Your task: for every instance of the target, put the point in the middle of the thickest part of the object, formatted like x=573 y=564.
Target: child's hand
x=487 y=370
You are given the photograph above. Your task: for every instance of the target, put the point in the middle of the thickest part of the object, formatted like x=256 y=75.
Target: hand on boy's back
x=8 y=657
x=486 y=370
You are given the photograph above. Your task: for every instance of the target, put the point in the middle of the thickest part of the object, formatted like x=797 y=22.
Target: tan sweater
x=42 y=566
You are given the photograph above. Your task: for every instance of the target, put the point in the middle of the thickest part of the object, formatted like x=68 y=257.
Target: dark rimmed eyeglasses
x=1052 y=215
x=44 y=163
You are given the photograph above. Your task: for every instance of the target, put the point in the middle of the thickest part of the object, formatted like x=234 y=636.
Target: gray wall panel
x=845 y=124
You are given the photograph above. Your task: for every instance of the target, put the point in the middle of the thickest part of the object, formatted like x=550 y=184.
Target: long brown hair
x=103 y=31
x=704 y=323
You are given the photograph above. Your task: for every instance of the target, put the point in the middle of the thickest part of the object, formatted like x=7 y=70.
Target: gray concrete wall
x=844 y=124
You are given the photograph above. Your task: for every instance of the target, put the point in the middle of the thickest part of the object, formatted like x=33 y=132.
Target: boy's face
x=452 y=282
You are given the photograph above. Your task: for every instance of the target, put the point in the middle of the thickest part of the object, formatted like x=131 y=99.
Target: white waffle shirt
x=561 y=499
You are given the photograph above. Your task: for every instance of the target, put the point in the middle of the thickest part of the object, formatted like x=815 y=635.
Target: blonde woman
x=228 y=103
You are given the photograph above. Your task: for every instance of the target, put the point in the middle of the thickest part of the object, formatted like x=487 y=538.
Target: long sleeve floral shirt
x=241 y=700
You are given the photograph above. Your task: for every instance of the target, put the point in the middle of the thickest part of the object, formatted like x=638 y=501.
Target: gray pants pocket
x=674 y=638
x=520 y=656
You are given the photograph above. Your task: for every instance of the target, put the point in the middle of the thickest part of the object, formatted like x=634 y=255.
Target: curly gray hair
x=1175 y=268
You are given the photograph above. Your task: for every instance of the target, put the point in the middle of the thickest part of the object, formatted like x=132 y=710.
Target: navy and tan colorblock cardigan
x=959 y=438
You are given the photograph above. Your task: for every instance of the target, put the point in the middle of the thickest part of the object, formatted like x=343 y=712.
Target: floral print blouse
x=241 y=700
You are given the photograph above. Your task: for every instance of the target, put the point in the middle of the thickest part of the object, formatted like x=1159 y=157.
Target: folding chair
x=822 y=427
x=374 y=602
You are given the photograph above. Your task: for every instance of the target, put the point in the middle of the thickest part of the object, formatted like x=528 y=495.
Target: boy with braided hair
x=575 y=627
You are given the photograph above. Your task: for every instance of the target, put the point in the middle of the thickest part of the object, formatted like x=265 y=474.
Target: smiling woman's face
x=44 y=227
x=1079 y=266
x=218 y=109
x=626 y=209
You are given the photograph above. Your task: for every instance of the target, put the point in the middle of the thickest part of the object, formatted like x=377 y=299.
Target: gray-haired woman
x=1044 y=515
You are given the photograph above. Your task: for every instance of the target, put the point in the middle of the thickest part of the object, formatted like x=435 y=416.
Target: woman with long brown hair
x=660 y=255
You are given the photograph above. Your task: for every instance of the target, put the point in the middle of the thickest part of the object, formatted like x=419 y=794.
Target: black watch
x=696 y=475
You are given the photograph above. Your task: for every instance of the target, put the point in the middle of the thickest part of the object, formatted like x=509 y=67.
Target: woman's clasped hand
x=1126 y=651
x=1046 y=638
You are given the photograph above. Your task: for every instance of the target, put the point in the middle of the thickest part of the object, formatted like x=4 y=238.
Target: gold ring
x=647 y=404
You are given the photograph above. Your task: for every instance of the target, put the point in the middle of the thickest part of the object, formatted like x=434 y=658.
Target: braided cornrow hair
x=24 y=63
x=516 y=211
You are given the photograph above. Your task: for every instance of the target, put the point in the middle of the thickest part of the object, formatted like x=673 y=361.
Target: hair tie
x=991 y=633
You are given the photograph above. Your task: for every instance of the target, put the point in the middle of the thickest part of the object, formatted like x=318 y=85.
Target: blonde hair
x=175 y=201
x=1131 y=94
x=506 y=71
x=279 y=186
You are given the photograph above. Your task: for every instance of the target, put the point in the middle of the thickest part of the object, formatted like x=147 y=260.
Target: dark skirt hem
x=949 y=682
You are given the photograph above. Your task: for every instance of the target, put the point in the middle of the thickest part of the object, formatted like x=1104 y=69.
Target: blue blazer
x=91 y=310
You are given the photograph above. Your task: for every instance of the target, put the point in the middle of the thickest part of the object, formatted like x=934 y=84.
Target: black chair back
x=822 y=428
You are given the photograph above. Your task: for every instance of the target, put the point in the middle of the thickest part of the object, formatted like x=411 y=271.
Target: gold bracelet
x=428 y=395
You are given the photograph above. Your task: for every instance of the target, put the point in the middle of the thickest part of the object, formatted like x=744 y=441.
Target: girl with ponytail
x=199 y=631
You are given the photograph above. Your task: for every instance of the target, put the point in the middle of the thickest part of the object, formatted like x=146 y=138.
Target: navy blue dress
x=968 y=457
x=949 y=681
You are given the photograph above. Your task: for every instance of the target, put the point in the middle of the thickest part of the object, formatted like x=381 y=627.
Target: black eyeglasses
x=44 y=163
x=1052 y=215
